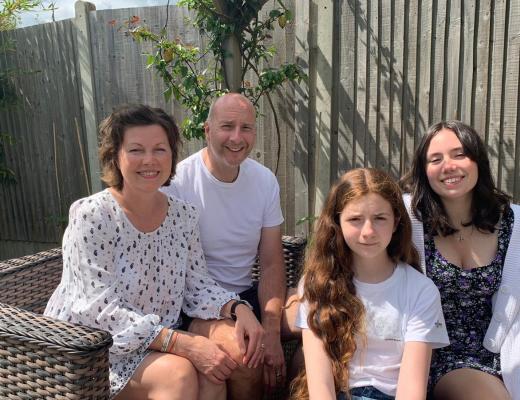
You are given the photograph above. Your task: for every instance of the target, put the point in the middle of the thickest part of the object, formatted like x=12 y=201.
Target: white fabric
x=503 y=334
x=404 y=308
x=131 y=283
x=232 y=215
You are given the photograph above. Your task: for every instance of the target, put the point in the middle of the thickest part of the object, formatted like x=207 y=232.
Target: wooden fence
x=379 y=73
x=386 y=70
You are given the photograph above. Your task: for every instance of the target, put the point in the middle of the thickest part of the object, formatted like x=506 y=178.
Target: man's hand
x=248 y=329
x=274 y=363
x=209 y=359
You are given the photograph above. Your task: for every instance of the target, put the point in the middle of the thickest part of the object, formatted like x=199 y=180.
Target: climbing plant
x=237 y=45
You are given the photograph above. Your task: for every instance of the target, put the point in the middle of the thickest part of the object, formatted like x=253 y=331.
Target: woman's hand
x=207 y=356
x=248 y=329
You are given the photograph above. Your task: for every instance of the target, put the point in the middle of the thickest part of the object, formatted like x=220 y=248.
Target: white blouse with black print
x=131 y=283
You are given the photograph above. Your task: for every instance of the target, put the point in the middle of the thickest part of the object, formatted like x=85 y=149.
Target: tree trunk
x=232 y=60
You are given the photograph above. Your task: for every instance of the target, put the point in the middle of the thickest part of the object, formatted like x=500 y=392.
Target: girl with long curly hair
x=369 y=318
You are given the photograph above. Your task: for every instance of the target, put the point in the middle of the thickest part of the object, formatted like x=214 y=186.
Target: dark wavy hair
x=111 y=134
x=488 y=202
x=336 y=314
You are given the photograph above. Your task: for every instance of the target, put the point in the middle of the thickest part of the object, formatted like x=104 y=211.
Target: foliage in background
x=9 y=17
x=11 y=9
x=195 y=76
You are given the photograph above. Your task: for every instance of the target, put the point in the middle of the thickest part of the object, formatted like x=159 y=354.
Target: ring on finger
x=262 y=346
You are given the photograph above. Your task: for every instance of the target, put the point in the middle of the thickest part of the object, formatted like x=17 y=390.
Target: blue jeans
x=365 y=393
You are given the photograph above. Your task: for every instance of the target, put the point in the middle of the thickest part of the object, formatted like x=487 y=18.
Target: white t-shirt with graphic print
x=406 y=307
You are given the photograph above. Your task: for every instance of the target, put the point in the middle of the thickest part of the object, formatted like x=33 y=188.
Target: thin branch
x=167 y=16
x=275 y=114
x=278 y=135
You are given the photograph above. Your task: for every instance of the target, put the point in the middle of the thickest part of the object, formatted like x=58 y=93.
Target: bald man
x=239 y=202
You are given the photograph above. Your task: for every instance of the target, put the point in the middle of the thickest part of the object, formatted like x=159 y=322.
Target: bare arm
x=413 y=375
x=320 y=380
x=271 y=296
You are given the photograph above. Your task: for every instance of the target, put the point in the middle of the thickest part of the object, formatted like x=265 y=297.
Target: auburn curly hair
x=336 y=314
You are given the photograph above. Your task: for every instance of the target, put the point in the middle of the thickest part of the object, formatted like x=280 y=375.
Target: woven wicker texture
x=40 y=357
x=43 y=358
x=28 y=282
x=293 y=252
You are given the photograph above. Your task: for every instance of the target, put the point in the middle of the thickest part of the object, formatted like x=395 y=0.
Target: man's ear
x=206 y=130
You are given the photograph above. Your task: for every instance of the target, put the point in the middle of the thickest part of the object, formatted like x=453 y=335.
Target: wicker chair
x=43 y=358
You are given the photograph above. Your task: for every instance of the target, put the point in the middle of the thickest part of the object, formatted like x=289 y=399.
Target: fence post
x=321 y=53
x=88 y=98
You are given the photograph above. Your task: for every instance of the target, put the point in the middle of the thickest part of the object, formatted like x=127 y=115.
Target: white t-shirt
x=232 y=215
x=404 y=308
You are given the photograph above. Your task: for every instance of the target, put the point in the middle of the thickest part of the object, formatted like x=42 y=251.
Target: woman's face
x=145 y=158
x=451 y=173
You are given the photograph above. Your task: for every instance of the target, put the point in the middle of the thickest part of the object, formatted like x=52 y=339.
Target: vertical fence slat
x=424 y=68
x=372 y=98
x=510 y=107
x=466 y=69
x=439 y=45
x=397 y=86
x=480 y=99
x=384 y=160
x=493 y=133
x=348 y=114
x=302 y=184
x=408 y=110
x=453 y=58
x=362 y=51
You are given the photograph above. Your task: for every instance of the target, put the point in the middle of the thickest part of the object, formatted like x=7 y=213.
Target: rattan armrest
x=293 y=252
x=43 y=358
x=28 y=282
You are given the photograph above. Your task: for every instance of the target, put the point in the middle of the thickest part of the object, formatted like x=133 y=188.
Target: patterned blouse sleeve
x=203 y=297
x=95 y=287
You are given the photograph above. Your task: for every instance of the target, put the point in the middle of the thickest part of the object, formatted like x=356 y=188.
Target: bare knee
x=466 y=383
x=162 y=377
x=210 y=390
x=180 y=378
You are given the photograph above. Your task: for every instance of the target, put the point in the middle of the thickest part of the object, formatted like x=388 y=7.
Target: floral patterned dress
x=466 y=302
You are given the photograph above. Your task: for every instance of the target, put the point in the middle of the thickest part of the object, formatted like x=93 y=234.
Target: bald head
x=231 y=100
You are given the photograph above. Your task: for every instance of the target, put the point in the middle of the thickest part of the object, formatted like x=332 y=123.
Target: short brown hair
x=111 y=134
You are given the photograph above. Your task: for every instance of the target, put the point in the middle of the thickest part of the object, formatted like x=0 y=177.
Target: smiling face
x=450 y=172
x=145 y=158
x=230 y=135
x=368 y=223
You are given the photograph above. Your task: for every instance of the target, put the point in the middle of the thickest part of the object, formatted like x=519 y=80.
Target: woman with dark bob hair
x=468 y=236
x=132 y=259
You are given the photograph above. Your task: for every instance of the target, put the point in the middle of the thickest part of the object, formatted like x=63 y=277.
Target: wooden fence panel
x=447 y=60
x=46 y=126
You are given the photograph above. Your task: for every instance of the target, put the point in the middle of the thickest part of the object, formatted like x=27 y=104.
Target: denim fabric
x=365 y=393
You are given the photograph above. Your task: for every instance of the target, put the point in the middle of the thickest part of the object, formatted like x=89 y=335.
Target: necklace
x=462 y=238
